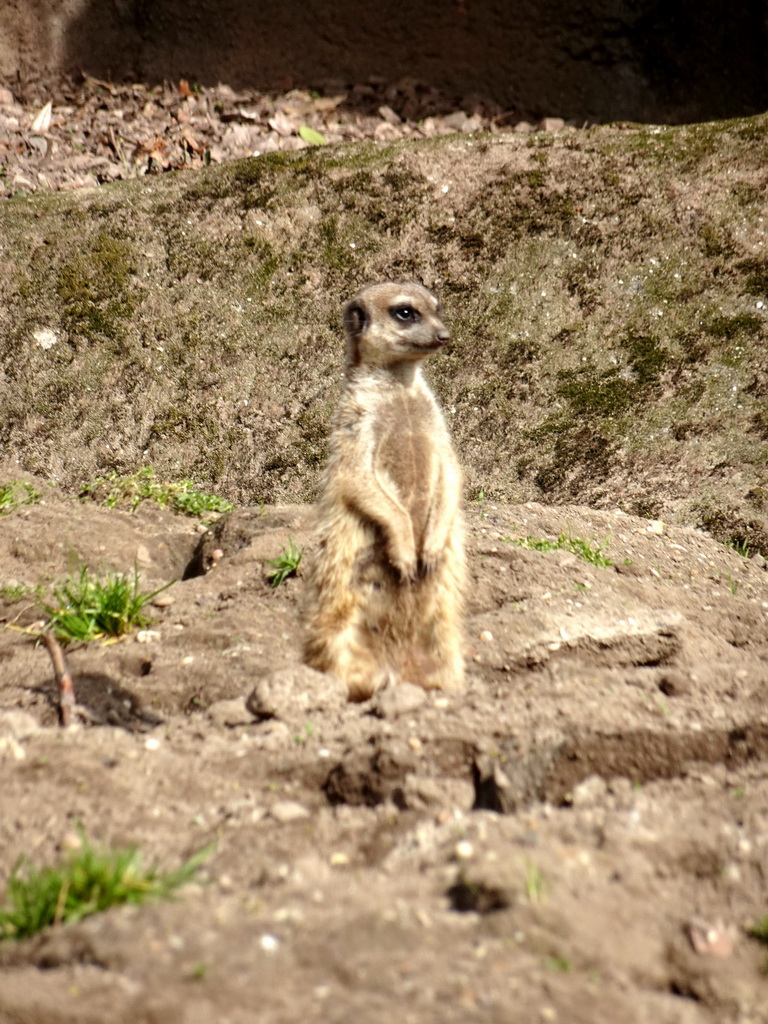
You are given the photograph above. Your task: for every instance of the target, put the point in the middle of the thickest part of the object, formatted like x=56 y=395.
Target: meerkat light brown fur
x=386 y=583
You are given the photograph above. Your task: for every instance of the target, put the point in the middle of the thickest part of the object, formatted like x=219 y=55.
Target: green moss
x=578 y=452
x=93 y=286
x=755 y=273
x=592 y=392
x=730 y=327
x=646 y=355
x=716 y=241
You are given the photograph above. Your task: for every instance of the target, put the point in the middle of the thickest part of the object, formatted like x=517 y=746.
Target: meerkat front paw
x=425 y=567
x=429 y=559
x=404 y=564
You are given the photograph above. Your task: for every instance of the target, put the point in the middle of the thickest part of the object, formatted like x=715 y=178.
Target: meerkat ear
x=355 y=318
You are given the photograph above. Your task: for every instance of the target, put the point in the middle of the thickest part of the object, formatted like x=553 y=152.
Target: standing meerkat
x=386 y=583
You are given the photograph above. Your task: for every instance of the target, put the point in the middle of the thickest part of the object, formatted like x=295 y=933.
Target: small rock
x=758 y=561
x=389 y=115
x=164 y=600
x=285 y=811
x=420 y=792
x=147 y=636
x=712 y=939
x=393 y=701
x=463 y=850
x=589 y=792
x=563 y=558
x=269 y=943
x=456 y=120
x=274 y=735
x=674 y=684
x=143 y=556
x=229 y=713
x=18 y=724
x=551 y=124
x=11 y=746
x=72 y=842
x=294 y=692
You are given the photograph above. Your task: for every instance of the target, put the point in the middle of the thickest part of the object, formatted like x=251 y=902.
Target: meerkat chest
x=408 y=442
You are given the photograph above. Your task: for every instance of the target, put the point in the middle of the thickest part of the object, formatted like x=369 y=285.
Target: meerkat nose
x=443 y=337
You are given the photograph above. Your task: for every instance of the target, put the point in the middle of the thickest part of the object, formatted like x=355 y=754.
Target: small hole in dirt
x=468 y=897
x=146 y=667
x=682 y=988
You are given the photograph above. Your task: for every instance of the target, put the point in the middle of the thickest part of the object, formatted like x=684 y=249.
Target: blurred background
x=668 y=61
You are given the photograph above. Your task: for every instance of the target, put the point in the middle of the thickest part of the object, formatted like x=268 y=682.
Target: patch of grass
x=88 y=882
x=287 y=564
x=592 y=553
x=535 y=883
x=16 y=494
x=301 y=738
x=759 y=930
x=87 y=607
x=13 y=592
x=117 y=491
x=558 y=964
x=741 y=547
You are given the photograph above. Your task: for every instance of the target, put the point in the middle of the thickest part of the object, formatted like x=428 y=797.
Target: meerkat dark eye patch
x=406 y=314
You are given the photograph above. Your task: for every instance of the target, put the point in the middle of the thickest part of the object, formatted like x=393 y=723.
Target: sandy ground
x=580 y=836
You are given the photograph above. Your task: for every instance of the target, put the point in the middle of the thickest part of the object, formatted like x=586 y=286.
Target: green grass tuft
x=87 y=607
x=286 y=565
x=117 y=491
x=88 y=882
x=16 y=494
x=592 y=553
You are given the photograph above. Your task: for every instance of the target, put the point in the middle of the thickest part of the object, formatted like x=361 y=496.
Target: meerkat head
x=391 y=323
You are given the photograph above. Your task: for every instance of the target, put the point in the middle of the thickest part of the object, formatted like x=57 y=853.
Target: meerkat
x=385 y=586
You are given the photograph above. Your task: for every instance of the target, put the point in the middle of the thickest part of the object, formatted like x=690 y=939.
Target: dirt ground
x=580 y=836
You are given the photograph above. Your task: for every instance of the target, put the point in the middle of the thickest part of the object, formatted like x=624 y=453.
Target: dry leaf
x=282 y=124
x=184 y=89
x=43 y=120
x=389 y=115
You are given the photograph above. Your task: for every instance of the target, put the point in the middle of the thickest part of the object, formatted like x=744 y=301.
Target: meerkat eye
x=406 y=314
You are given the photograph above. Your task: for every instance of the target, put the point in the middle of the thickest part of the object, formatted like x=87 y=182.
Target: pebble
x=286 y=811
x=18 y=724
x=295 y=692
x=589 y=792
x=393 y=701
x=269 y=943
x=229 y=713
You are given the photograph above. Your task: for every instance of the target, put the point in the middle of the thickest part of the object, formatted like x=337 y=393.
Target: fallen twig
x=69 y=709
x=67 y=702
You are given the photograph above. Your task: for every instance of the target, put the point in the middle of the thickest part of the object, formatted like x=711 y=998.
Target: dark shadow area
x=678 y=61
x=106 y=702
